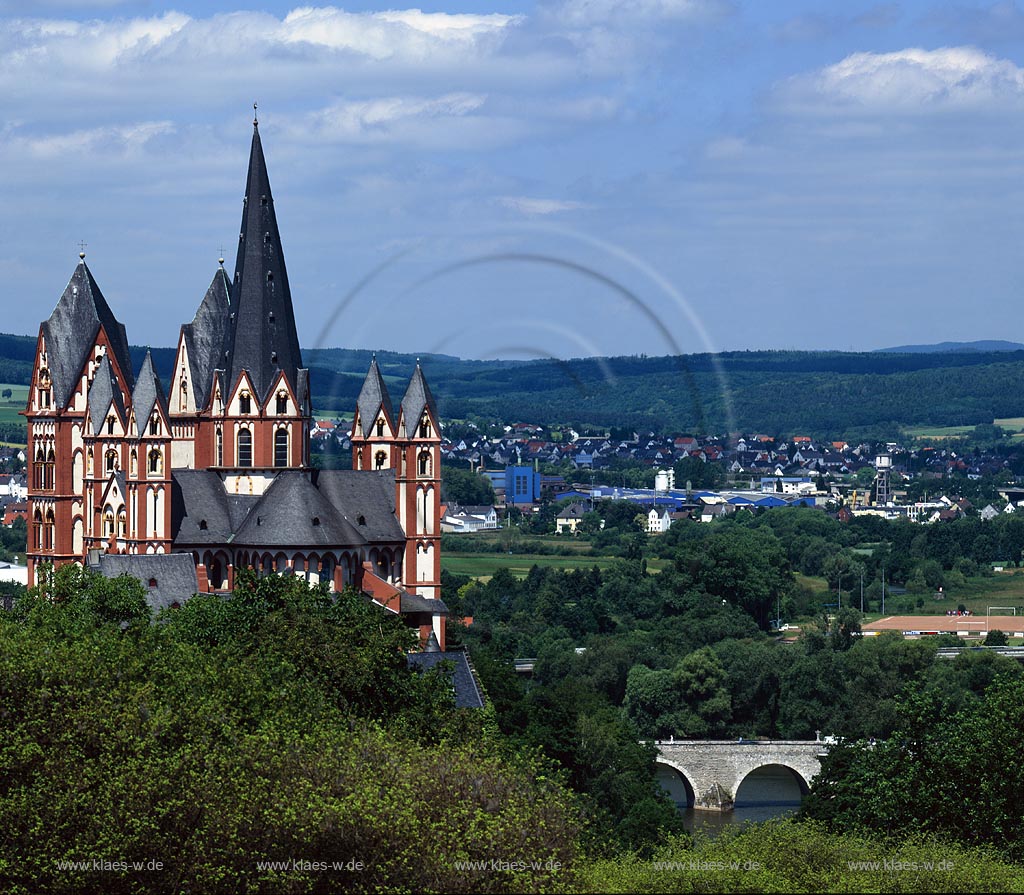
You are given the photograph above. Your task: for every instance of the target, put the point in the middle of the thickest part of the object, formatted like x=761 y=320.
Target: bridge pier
x=707 y=774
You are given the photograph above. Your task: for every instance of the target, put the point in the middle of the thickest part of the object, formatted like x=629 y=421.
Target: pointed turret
x=148 y=394
x=104 y=393
x=372 y=398
x=205 y=337
x=261 y=336
x=417 y=398
x=71 y=332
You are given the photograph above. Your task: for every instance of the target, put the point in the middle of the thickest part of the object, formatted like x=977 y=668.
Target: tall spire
x=417 y=399
x=261 y=336
x=373 y=397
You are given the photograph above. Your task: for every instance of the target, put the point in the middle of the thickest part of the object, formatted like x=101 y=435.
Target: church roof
x=104 y=392
x=456 y=665
x=372 y=396
x=205 y=335
x=334 y=508
x=417 y=396
x=71 y=331
x=261 y=336
x=166 y=578
x=148 y=393
x=292 y=512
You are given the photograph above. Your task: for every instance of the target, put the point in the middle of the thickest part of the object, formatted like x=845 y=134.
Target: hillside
x=841 y=394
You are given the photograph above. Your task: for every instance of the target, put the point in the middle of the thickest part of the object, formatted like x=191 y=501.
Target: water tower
x=883 y=492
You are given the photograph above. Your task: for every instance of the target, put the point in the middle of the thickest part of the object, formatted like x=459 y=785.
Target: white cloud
x=380 y=119
x=913 y=80
x=530 y=206
x=110 y=142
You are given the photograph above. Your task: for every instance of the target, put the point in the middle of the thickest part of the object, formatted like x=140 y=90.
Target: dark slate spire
x=417 y=396
x=205 y=335
x=148 y=393
x=104 y=393
x=261 y=336
x=373 y=396
x=71 y=332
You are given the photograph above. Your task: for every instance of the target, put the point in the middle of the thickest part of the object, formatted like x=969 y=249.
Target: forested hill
x=840 y=394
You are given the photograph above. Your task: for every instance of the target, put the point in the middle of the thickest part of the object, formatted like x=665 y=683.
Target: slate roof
x=198 y=497
x=418 y=603
x=261 y=336
x=417 y=396
x=147 y=395
x=104 y=392
x=372 y=396
x=174 y=575
x=467 y=694
x=71 y=330
x=291 y=512
x=284 y=514
x=364 y=494
x=205 y=335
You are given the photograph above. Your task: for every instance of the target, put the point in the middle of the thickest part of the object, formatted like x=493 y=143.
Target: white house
x=658 y=521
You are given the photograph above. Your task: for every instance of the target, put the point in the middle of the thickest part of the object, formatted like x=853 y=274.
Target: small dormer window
x=202 y=525
x=316 y=520
x=271 y=317
x=273 y=357
x=244 y=403
x=361 y=520
x=152 y=582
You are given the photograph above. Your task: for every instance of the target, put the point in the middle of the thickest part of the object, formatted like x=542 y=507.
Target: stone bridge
x=707 y=774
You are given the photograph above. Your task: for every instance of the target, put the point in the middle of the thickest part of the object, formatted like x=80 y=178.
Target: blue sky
x=571 y=177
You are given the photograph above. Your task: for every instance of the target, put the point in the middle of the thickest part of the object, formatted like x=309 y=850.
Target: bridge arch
x=769 y=783
x=676 y=781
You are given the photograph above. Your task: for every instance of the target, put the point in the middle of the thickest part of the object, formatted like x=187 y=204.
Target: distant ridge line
x=981 y=346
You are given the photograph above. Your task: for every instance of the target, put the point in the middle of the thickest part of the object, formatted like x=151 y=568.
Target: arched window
x=110 y=424
x=379 y=459
x=281 y=447
x=48 y=530
x=133 y=462
x=44 y=388
x=38 y=470
x=425 y=429
x=122 y=523
x=108 y=521
x=88 y=462
x=282 y=402
x=183 y=394
x=37 y=531
x=380 y=428
x=155 y=462
x=220 y=446
x=111 y=460
x=244 y=447
x=244 y=403
x=48 y=472
x=154 y=425
x=424 y=463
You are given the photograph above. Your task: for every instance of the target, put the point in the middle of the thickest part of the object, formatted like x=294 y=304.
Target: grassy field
x=11 y=407
x=937 y=431
x=978 y=594
x=484 y=565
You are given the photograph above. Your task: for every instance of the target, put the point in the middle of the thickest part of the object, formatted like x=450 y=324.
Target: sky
x=503 y=178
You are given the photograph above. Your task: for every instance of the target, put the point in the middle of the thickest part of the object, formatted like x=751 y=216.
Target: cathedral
x=217 y=467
